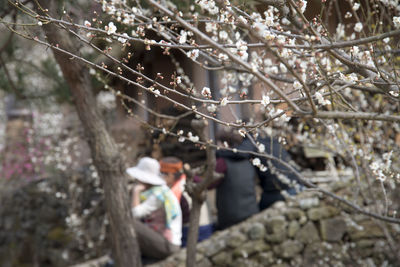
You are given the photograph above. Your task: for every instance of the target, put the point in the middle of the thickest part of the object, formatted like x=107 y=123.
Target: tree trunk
x=108 y=162
x=193 y=232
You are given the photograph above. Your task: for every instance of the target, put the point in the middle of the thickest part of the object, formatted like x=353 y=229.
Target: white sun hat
x=147 y=171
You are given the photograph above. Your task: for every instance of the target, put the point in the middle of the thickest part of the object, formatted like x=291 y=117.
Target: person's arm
x=145 y=208
x=136 y=194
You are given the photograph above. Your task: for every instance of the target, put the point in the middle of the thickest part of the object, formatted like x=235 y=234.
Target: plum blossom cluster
x=257 y=162
x=381 y=168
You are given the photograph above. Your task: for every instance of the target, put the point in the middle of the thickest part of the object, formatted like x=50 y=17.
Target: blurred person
x=172 y=170
x=277 y=177
x=159 y=230
x=236 y=191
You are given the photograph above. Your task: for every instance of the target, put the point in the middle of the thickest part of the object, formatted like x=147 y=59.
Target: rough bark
x=193 y=232
x=108 y=162
x=197 y=193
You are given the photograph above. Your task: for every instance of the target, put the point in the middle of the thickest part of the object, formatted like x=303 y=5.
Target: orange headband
x=169 y=167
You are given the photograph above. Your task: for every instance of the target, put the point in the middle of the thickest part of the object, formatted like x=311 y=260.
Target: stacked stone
x=305 y=231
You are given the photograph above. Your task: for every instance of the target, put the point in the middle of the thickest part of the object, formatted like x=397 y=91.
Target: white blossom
x=340 y=33
x=297 y=85
x=256 y=162
x=358 y=27
x=210 y=26
x=206 y=91
x=87 y=23
x=396 y=22
x=223 y=35
x=193 y=138
x=321 y=99
x=193 y=54
x=261 y=148
x=123 y=40
x=183 y=37
x=356 y=6
x=265 y=100
x=303 y=5
x=263 y=168
x=242 y=132
x=111 y=28
x=212 y=108
x=224 y=101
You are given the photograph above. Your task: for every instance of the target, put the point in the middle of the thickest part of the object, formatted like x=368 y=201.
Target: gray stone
x=307 y=234
x=282 y=264
x=312 y=254
x=289 y=249
x=199 y=256
x=241 y=262
x=204 y=263
x=293 y=213
x=322 y=212
x=365 y=243
x=275 y=224
x=235 y=239
x=276 y=237
x=293 y=227
x=214 y=247
x=266 y=258
x=222 y=259
x=256 y=231
x=307 y=203
x=333 y=229
x=251 y=248
x=367 y=229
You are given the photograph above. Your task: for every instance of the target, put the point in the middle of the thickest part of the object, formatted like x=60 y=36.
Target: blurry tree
x=333 y=68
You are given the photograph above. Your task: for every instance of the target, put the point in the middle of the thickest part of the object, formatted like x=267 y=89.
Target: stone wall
x=306 y=231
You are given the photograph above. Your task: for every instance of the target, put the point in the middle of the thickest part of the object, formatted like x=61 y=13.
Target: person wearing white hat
x=159 y=230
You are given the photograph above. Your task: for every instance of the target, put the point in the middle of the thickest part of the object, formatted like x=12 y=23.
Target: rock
x=275 y=224
x=266 y=258
x=199 y=256
x=315 y=214
x=204 y=263
x=307 y=234
x=214 y=247
x=282 y=264
x=293 y=227
x=276 y=237
x=307 y=203
x=235 y=239
x=289 y=249
x=246 y=263
x=333 y=229
x=365 y=243
x=366 y=229
x=222 y=259
x=294 y=213
x=256 y=231
x=276 y=229
x=251 y=248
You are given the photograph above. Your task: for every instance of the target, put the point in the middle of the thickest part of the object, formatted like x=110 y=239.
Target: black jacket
x=235 y=195
x=268 y=180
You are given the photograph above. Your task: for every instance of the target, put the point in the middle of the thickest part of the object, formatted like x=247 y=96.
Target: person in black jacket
x=235 y=193
x=277 y=177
